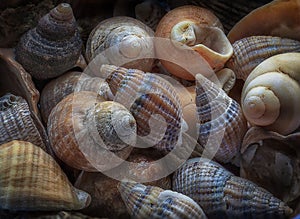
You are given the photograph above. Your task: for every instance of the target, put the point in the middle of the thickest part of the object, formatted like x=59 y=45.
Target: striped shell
x=153 y=202
x=251 y=51
x=31 y=180
x=153 y=102
x=222 y=125
x=224 y=195
x=66 y=84
x=87 y=132
x=53 y=46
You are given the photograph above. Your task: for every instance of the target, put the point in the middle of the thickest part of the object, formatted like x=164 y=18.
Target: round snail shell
x=122 y=41
x=270 y=96
x=85 y=131
x=53 y=46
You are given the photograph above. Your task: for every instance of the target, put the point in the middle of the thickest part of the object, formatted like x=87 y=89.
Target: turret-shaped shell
x=221 y=122
x=89 y=133
x=122 y=41
x=53 y=46
x=199 y=30
x=153 y=102
x=68 y=83
x=31 y=180
x=153 y=202
x=270 y=96
x=224 y=195
x=251 y=51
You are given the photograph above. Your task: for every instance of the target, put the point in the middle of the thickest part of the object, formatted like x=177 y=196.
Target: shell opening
x=131 y=46
x=184 y=32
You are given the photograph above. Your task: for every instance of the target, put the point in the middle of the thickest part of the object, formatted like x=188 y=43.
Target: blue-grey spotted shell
x=224 y=195
x=153 y=202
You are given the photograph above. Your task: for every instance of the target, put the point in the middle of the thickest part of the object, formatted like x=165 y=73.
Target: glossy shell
x=31 y=180
x=53 y=46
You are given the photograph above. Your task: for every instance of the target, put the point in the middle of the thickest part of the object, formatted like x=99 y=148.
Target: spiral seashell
x=251 y=51
x=222 y=125
x=199 y=30
x=85 y=131
x=152 y=101
x=271 y=92
x=122 y=41
x=31 y=180
x=153 y=202
x=53 y=46
x=224 y=195
x=66 y=84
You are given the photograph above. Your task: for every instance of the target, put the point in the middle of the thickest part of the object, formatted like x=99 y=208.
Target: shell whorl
x=271 y=92
x=251 y=51
x=53 y=46
x=221 y=122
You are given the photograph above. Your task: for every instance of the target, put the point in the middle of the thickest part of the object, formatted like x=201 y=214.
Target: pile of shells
x=152 y=109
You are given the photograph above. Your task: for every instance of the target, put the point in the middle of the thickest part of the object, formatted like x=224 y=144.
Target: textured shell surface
x=31 y=180
x=271 y=92
x=221 y=123
x=153 y=202
x=153 y=102
x=88 y=133
x=53 y=46
x=251 y=51
x=224 y=195
x=70 y=82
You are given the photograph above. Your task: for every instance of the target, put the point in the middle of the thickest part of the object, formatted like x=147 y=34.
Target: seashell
x=272 y=161
x=86 y=132
x=226 y=78
x=121 y=41
x=270 y=94
x=251 y=51
x=224 y=195
x=222 y=125
x=153 y=202
x=53 y=46
x=193 y=28
x=31 y=180
x=18 y=123
x=277 y=18
x=68 y=83
x=152 y=101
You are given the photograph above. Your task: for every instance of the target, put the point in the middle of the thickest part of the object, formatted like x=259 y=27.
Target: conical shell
x=85 y=131
x=222 y=125
x=224 y=195
x=249 y=52
x=31 y=180
x=53 y=46
x=153 y=102
x=153 y=202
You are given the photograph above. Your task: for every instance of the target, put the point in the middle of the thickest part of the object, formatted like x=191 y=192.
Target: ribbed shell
x=18 y=123
x=224 y=195
x=53 y=46
x=153 y=102
x=84 y=131
x=153 y=202
x=222 y=125
x=31 y=180
x=251 y=51
x=66 y=84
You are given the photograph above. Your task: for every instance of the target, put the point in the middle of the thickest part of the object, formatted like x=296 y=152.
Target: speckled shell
x=31 y=180
x=53 y=46
x=153 y=202
x=224 y=195
x=68 y=83
x=18 y=123
x=222 y=125
x=153 y=102
x=87 y=132
x=251 y=51
x=121 y=41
